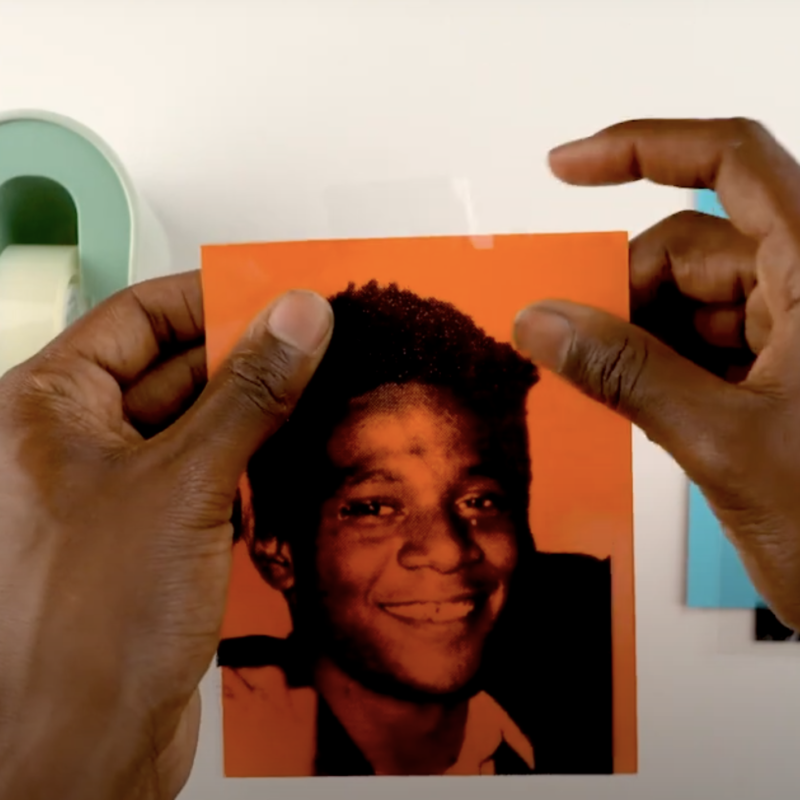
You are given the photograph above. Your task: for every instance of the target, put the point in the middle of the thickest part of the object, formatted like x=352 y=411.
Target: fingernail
x=575 y=147
x=301 y=319
x=554 y=151
x=544 y=336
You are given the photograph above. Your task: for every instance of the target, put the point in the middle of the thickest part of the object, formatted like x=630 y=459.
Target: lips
x=433 y=611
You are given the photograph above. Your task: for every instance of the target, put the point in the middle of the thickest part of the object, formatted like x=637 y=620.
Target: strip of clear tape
x=425 y=206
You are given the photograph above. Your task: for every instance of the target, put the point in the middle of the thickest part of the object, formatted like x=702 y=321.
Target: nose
x=439 y=542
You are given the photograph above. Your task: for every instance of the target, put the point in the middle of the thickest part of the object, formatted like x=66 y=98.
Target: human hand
x=709 y=368
x=115 y=532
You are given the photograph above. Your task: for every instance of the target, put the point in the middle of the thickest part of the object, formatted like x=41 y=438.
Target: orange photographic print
x=433 y=560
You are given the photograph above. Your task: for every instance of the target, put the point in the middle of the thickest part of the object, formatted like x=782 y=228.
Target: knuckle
x=675 y=236
x=686 y=216
x=685 y=261
x=27 y=390
x=263 y=380
x=613 y=374
x=676 y=233
x=198 y=370
x=744 y=131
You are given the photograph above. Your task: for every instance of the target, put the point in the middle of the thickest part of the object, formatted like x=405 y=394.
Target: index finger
x=135 y=328
x=756 y=180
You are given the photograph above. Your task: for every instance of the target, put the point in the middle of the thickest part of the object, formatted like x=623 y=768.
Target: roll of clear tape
x=40 y=296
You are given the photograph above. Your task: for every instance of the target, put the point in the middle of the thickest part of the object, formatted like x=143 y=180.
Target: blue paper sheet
x=715 y=575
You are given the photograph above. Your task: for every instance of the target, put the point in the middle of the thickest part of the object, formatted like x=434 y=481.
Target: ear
x=273 y=559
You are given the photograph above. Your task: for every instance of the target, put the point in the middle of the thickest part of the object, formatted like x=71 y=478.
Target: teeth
x=433 y=612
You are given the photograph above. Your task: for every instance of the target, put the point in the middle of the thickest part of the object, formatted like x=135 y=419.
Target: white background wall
x=275 y=119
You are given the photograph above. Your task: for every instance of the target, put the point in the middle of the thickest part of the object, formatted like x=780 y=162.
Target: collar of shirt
x=488 y=728
x=493 y=744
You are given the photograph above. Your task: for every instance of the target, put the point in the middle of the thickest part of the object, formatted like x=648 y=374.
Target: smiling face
x=416 y=548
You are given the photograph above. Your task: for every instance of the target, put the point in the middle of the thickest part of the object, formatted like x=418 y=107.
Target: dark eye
x=365 y=508
x=481 y=504
x=484 y=502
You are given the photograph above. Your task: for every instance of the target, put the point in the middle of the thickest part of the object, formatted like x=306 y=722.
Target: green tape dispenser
x=72 y=229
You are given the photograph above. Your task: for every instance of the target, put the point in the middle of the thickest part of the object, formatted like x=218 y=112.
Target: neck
x=397 y=737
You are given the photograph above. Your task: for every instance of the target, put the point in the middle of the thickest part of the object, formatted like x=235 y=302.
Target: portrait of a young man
x=429 y=634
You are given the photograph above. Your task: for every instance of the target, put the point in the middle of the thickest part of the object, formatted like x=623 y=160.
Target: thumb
x=688 y=411
x=258 y=385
